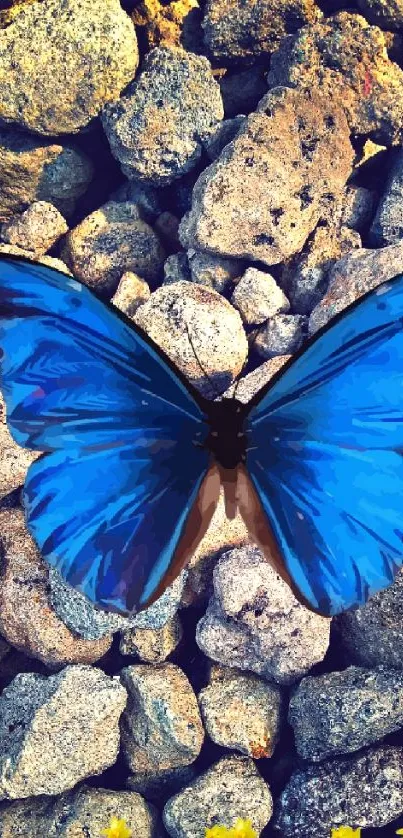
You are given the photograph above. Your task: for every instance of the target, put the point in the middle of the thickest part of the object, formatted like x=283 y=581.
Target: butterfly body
x=226 y=440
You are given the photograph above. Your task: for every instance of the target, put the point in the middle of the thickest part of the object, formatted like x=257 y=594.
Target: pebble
x=131 y=293
x=166 y=226
x=161 y=726
x=215 y=272
x=258 y=297
x=176 y=22
x=358 y=207
x=225 y=132
x=152 y=645
x=383 y=13
x=176 y=268
x=37 y=228
x=387 y=225
x=157 y=129
x=250 y=384
x=61 y=62
x=242 y=712
x=242 y=90
x=283 y=334
x=14 y=460
x=231 y=788
x=57 y=730
x=254 y=622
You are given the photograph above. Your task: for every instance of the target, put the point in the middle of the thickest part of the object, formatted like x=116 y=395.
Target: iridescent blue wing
x=109 y=502
x=325 y=443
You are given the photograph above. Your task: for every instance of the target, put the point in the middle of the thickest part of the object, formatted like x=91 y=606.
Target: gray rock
x=249 y=384
x=340 y=712
x=258 y=297
x=14 y=460
x=359 y=791
x=283 y=334
x=225 y=132
x=230 y=789
x=358 y=207
x=157 y=128
x=176 y=311
x=143 y=195
x=255 y=623
x=152 y=645
x=242 y=712
x=388 y=14
x=241 y=91
x=131 y=293
x=161 y=727
x=57 y=730
x=36 y=229
x=176 y=268
x=387 y=226
x=160 y=785
x=32 y=169
x=166 y=227
x=61 y=62
x=215 y=272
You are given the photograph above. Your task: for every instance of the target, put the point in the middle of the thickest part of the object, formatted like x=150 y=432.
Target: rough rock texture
x=230 y=789
x=158 y=786
x=161 y=727
x=214 y=271
x=27 y=619
x=166 y=227
x=152 y=645
x=32 y=169
x=268 y=189
x=14 y=461
x=388 y=14
x=282 y=335
x=111 y=241
x=254 y=621
x=361 y=791
x=346 y=58
x=176 y=311
x=241 y=91
x=131 y=293
x=62 y=60
x=340 y=712
x=358 y=207
x=157 y=128
x=13 y=250
x=387 y=225
x=169 y=22
x=37 y=229
x=251 y=383
x=242 y=712
x=258 y=297
x=236 y=30
x=57 y=730
x=225 y=132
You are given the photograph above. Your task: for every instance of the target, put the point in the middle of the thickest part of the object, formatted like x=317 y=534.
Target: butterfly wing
x=325 y=442
x=109 y=502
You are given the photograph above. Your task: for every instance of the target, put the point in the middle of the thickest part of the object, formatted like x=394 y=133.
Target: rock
x=340 y=712
x=32 y=169
x=14 y=461
x=289 y=159
x=360 y=791
x=215 y=272
x=152 y=645
x=61 y=62
x=146 y=198
x=157 y=128
x=372 y=635
x=258 y=297
x=173 y=22
x=346 y=59
x=255 y=623
x=176 y=268
x=229 y=789
x=355 y=275
x=251 y=383
x=234 y=30
x=176 y=311
x=37 y=228
x=388 y=14
x=57 y=730
x=13 y=250
x=242 y=712
x=358 y=207
x=225 y=132
x=241 y=91
x=131 y=293
x=159 y=786
x=283 y=334
x=89 y=622
x=27 y=619
x=161 y=727
x=166 y=227
x=4 y=648
x=387 y=225
x=111 y=241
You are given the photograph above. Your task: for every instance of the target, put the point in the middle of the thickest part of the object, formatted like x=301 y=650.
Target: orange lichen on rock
x=165 y=23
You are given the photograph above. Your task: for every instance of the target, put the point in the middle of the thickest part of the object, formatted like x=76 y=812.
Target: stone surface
x=255 y=623
x=57 y=730
x=283 y=334
x=362 y=790
x=60 y=62
x=27 y=619
x=13 y=250
x=169 y=22
x=161 y=726
x=241 y=91
x=157 y=128
x=111 y=241
x=166 y=227
x=346 y=58
x=353 y=276
x=251 y=383
x=176 y=311
x=242 y=712
x=32 y=169
x=152 y=645
x=358 y=207
x=14 y=461
x=258 y=297
x=388 y=14
x=131 y=293
x=229 y=789
x=268 y=189
x=341 y=712
x=176 y=268
x=387 y=225
x=37 y=228
x=234 y=30
x=225 y=132
x=215 y=272
x=146 y=198
x=158 y=786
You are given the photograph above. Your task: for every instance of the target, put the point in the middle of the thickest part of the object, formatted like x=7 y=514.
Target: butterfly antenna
x=251 y=345
x=213 y=387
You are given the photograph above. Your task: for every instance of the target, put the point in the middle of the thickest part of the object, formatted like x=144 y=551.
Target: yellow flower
x=399 y=832
x=117 y=829
x=346 y=832
x=241 y=829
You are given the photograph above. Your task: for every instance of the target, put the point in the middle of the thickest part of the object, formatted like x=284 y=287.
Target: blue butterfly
x=134 y=456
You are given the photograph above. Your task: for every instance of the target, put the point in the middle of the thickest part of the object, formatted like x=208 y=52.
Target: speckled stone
x=131 y=293
x=242 y=90
x=14 y=461
x=254 y=622
x=283 y=334
x=231 y=788
x=341 y=712
x=258 y=297
x=161 y=727
x=225 y=132
x=62 y=60
x=57 y=730
x=176 y=268
x=13 y=250
x=362 y=790
x=388 y=14
x=169 y=22
x=158 y=786
x=242 y=712
x=215 y=272
x=387 y=225
x=358 y=207
x=251 y=383
x=157 y=128
x=37 y=228
x=152 y=645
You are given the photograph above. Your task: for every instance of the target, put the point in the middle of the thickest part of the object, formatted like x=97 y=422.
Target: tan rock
x=36 y=229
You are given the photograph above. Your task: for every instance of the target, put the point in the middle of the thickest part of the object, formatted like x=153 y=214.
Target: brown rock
x=171 y=22
x=131 y=293
x=36 y=229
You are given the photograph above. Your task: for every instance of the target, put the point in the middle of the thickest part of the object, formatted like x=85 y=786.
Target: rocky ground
x=215 y=166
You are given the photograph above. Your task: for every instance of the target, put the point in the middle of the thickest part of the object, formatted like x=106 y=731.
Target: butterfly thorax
x=227 y=438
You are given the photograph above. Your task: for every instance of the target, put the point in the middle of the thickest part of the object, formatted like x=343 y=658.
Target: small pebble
x=131 y=293
x=283 y=334
x=36 y=229
x=258 y=297
x=152 y=645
